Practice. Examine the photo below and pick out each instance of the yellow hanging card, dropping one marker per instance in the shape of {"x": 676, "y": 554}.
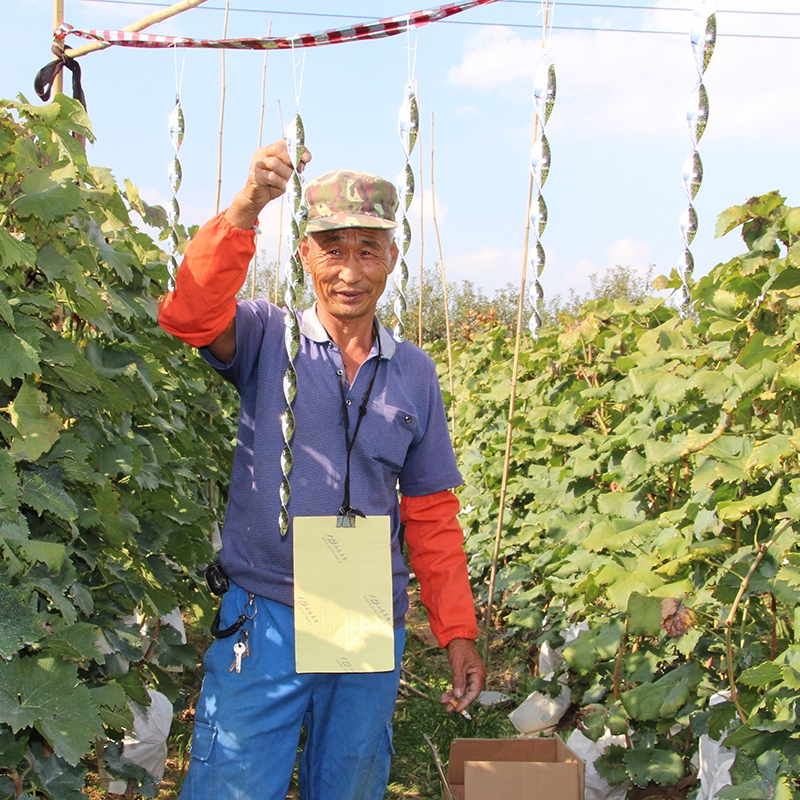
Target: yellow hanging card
{"x": 343, "y": 616}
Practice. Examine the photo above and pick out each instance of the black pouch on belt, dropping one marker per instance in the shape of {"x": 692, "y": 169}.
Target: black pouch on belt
{"x": 218, "y": 583}
{"x": 216, "y": 579}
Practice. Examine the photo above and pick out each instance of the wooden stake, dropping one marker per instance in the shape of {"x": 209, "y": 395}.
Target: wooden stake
{"x": 58, "y": 20}
{"x": 221, "y": 112}
{"x": 260, "y": 135}
{"x": 421, "y": 246}
{"x": 280, "y": 225}
{"x": 513, "y": 398}
{"x": 144, "y": 22}
{"x": 444, "y": 294}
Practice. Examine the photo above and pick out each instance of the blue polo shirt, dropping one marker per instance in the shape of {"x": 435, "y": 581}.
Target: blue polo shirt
{"x": 403, "y": 443}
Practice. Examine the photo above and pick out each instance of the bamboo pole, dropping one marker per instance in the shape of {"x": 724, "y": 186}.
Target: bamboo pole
{"x": 260, "y": 137}
{"x": 280, "y": 226}
{"x": 144, "y": 22}
{"x": 444, "y": 292}
{"x": 421, "y": 248}
{"x": 221, "y": 111}
{"x": 58, "y": 21}
{"x": 513, "y": 398}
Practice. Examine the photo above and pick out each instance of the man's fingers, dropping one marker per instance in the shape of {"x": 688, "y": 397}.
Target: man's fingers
{"x": 468, "y": 674}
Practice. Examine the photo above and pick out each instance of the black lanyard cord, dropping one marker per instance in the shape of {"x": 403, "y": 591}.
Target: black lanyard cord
{"x": 346, "y": 510}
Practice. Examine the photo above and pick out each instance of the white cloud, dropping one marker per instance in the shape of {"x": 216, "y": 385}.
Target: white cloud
{"x": 488, "y": 267}
{"x": 493, "y": 58}
{"x": 627, "y": 83}
{"x": 558, "y": 279}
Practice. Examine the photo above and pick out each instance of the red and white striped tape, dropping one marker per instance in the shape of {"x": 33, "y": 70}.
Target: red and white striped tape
{"x": 390, "y": 26}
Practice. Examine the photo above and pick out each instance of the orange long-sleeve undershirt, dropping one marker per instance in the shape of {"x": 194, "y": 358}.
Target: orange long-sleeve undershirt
{"x": 436, "y": 551}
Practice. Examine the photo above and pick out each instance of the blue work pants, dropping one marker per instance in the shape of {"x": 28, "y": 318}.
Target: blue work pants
{"x": 247, "y": 725}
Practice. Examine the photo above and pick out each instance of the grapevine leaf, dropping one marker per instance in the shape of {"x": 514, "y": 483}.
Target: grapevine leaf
{"x": 762, "y": 675}
{"x": 50, "y": 553}
{"x": 37, "y": 425}
{"x": 145, "y": 784}
{"x": 644, "y": 615}
{"x": 49, "y": 194}
{"x": 43, "y": 491}
{"x": 110, "y": 698}
{"x": 597, "y": 644}
{"x": 14, "y": 252}
{"x": 75, "y": 642}
{"x": 611, "y": 766}
{"x": 664, "y": 697}
{"x": 653, "y": 764}
{"x": 19, "y": 358}
{"x": 46, "y": 693}
{"x": 58, "y": 777}
{"x": 9, "y": 483}
{"x": 12, "y": 748}
{"x": 19, "y": 625}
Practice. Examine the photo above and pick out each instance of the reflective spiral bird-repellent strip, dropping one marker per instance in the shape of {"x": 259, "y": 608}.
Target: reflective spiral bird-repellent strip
{"x": 408, "y": 127}
{"x": 544, "y": 96}
{"x": 175, "y": 176}
{"x": 703, "y": 38}
{"x": 295, "y": 142}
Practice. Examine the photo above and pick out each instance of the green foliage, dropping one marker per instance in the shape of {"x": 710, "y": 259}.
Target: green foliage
{"x": 653, "y": 489}
{"x": 112, "y": 439}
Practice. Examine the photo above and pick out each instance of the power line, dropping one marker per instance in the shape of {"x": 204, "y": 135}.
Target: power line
{"x": 656, "y": 8}
{"x": 516, "y": 26}
{"x": 618, "y": 6}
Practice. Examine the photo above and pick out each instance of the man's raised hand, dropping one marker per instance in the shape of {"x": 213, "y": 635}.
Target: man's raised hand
{"x": 269, "y": 173}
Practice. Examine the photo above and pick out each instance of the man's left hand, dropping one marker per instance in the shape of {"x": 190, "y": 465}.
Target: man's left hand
{"x": 468, "y": 674}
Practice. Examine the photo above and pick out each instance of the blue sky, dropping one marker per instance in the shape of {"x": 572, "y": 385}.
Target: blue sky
{"x": 618, "y": 132}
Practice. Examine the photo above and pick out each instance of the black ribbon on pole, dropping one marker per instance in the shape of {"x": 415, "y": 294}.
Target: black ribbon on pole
{"x": 43, "y": 83}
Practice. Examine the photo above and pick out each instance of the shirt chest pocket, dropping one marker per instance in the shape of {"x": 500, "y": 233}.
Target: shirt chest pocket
{"x": 392, "y": 436}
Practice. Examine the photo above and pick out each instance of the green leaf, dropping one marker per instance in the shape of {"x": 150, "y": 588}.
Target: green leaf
{"x": 664, "y": 697}
{"x": 12, "y": 748}
{"x": 14, "y": 252}
{"x": 729, "y": 219}
{"x": 654, "y": 764}
{"x": 597, "y": 644}
{"x": 762, "y": 675}
{"x": 43, "y": 491}
{"x": 18, "y": 357}
{"x": 120, "y": 262}
{"x": 19, "y": 625}
{"x": 757, "y": 350}
{"x": 46, "y": 693}
{"x": 37, "y": 425}
{"x": 59, "y": 778}
{"x": 76, "y": 643}
{"x": 611, "y": 765}
{"x": 50, "y": 553}
{"x": 110, "y": 698}
{"x": 49, "y": 193}
{"x": 644, "y": 615}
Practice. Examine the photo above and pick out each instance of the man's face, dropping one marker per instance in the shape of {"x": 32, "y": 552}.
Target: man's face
{"x": 348, "y": 268}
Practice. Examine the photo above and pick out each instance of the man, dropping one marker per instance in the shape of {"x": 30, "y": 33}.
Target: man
{"x": 254, "y": 703}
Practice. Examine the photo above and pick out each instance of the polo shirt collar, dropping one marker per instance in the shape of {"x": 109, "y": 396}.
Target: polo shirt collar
{"x": 312, "y": 329}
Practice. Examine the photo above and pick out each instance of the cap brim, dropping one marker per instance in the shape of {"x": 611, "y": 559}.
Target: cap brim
{"x": 340, "y": 221}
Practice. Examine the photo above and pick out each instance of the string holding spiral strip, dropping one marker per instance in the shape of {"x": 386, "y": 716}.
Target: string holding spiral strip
{"x": 544, "y": 97}
{"x": 175, "y": 176}
{"x": 703, "y": 38}
{"x": 408, "y": 127}
{"x": 295, "y": 142}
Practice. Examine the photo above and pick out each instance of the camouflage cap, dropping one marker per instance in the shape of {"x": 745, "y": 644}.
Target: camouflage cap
{"x": 345, "y": 199}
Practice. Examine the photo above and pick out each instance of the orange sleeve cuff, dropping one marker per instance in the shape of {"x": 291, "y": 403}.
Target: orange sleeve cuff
{"x": 436, "y": 551}
{"x": 213, "y": 270}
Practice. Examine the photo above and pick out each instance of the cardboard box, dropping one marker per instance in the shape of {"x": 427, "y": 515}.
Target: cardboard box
{"x": 513, "y": 769}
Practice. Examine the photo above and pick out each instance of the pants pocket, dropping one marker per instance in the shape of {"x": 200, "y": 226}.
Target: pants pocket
{"x": 203, "y": 740}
